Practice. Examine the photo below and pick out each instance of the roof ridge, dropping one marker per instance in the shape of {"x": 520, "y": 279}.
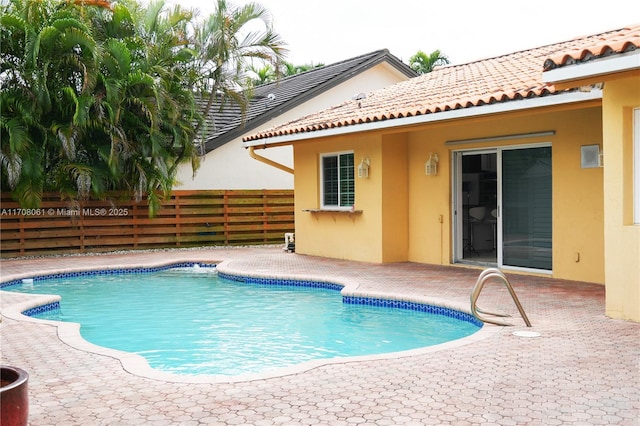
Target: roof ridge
{"x": 498, "y": 79}
{"x": 625, "y": 27}
{"x": 558, "y": 43}
{"x": 271, "y": 99}
{"x": 375, "y": 53}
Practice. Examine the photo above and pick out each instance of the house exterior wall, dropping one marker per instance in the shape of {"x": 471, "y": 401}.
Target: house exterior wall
{"x": 577, "y": 193}
{"x": 395, "y": 197}
{"x": 407, "y": 216}
{"x": 622, "y": 237}
{"x": 230, "y": 167}
{"x": 378, "y": 229}
{"x": 340, "y": 235}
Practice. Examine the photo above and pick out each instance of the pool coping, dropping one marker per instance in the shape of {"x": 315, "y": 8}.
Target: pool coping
{"x": 69, "y": 333}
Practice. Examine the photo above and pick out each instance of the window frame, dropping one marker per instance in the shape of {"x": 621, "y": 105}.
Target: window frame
{"x": 338, "y": 206}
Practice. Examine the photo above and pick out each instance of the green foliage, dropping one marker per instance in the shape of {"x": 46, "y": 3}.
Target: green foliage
{"x": 227, "y": 50}
{"x": 423, "y": 63}
{"x": 268, "y": 73}
{"x": 98, "y": 98}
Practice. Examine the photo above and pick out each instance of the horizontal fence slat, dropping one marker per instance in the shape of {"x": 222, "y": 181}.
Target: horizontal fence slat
{"x": 186, "y": 218}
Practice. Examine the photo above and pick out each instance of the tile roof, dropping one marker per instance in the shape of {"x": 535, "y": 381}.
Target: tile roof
{"x": 602, "y": 45}
{"x": 504, "y": 78}
{"x": 227, "y": 123}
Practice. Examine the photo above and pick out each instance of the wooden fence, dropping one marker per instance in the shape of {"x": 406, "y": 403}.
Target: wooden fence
{"x": 187, "y": 219}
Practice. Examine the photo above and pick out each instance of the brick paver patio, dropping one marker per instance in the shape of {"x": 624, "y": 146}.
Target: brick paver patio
{"x": 584, "y": 369}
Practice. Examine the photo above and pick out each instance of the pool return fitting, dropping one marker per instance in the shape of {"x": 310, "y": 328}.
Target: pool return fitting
{"x": 484, "y": 276}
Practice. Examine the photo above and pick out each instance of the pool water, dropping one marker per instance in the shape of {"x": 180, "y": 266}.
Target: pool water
{"x": 189, "y": 321}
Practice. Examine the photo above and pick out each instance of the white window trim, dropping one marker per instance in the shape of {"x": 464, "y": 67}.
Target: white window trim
{"x": 330, "y": 206}
{"x": 636, "y": 166}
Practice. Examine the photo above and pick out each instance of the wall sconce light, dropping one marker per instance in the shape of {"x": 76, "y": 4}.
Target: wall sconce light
{"x": 363, "y": 168}
{"x": 431, "y": 166}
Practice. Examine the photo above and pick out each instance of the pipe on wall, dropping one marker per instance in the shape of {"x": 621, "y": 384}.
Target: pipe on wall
{"x": 268, "y": 161}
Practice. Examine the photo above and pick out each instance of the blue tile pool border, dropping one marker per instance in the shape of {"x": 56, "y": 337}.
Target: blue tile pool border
{"x": 49, "y": 307}
{"x": 116, "y": 271}
{"x": 412, "y": 306}
{"x": 281, "y": 282}
{"x": 356, "y": 300}
{"x": 350, "y": 300}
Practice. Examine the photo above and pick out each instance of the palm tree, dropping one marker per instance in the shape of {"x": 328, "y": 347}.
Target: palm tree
{"x": 95, "y": 99}
{"x": 289, "y": 69}
{"x": 226, "y": 49}
{"x": 98, "y": 96}
{"x": 423, "y": 63}
{"x": 48, "y": 68}
{"x": 267, "y": 73}
{"x": 149, "y": 102}
{"x": 264, "y": 74}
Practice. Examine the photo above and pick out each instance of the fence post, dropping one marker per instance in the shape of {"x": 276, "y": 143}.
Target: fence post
{"x": 265, "y": 216}
{"x": 134, "y": 212}
{"x": 22, "y": 238}
{"x": 81, "y": 227}
{"x": 226, "y": 216}
{"x": 178, "y": 220}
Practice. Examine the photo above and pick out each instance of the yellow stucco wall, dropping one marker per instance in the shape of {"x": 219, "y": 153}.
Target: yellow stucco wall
{"x": 395, "y": 198}
{"x": 407, "y": 216}
{"x": 378, "y": 231}
{"x": 622, "y": 237}
{"x": 340, "y": 235}
{"x": 577, "y": 193}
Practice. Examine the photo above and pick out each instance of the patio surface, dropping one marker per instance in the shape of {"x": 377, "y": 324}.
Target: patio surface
{"x": 584, "y": 369}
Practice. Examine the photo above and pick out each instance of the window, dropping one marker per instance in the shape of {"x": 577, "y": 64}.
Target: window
{"x": 338, "y": 185}
{"x": 636, "y": 166}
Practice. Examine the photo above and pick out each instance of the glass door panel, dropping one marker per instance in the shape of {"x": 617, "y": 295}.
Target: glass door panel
{"x": 479, "y": 207}
{"x": 526, "y": 208}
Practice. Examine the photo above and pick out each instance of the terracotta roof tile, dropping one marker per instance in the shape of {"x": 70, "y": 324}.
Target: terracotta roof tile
{"x": 509, "y": 77}
{"x": 605, "y": 44}
{"x": 227, "y": 122}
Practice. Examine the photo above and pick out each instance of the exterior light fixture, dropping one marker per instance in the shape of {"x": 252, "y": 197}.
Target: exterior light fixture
{"x": 431, "y": 166}
{"x": 363, "y": 168}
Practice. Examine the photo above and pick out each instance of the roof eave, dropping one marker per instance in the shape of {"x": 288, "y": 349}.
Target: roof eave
{"x": 477, "y": 111}
{"x": 383, "y": 57}
{"x": 594, "y": 68}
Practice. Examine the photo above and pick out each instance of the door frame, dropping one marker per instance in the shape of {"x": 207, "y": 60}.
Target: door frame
{"x": 457, "y": 230}
{"x": 458, "y": 204}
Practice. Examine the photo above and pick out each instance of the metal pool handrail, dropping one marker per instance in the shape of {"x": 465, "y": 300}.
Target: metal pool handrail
{"x": 482, "y": 279}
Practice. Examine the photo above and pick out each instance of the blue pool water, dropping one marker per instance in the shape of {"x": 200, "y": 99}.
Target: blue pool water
{"x": 190, "y": 321}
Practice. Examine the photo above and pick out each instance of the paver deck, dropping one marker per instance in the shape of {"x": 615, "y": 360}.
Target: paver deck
{"x": 583, "y": 369}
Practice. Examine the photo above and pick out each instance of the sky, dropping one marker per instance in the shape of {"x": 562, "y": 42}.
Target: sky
{"x": 328, "y": 31}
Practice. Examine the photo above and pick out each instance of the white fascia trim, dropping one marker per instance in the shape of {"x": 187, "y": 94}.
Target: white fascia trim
{"x": 609, "y": 65}
{"x": 545, "y": 101}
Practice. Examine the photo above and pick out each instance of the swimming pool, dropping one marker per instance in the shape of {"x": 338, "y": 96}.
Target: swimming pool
{"x": 191, "y": 321}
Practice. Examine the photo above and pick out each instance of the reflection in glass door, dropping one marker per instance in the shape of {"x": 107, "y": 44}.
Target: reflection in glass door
{"x": 503, "y": 207}
{"x": 479, "y": 207}
{"x": 526, "y": 208}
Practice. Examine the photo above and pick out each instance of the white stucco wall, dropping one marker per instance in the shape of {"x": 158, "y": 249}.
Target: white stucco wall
{"x": 231, "y": 167}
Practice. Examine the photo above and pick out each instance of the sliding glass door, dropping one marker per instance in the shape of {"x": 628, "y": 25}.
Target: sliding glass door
{"x": 502, "y": 207}
{"x": 479, "y": 206}
{"x": 526, "y": 208}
